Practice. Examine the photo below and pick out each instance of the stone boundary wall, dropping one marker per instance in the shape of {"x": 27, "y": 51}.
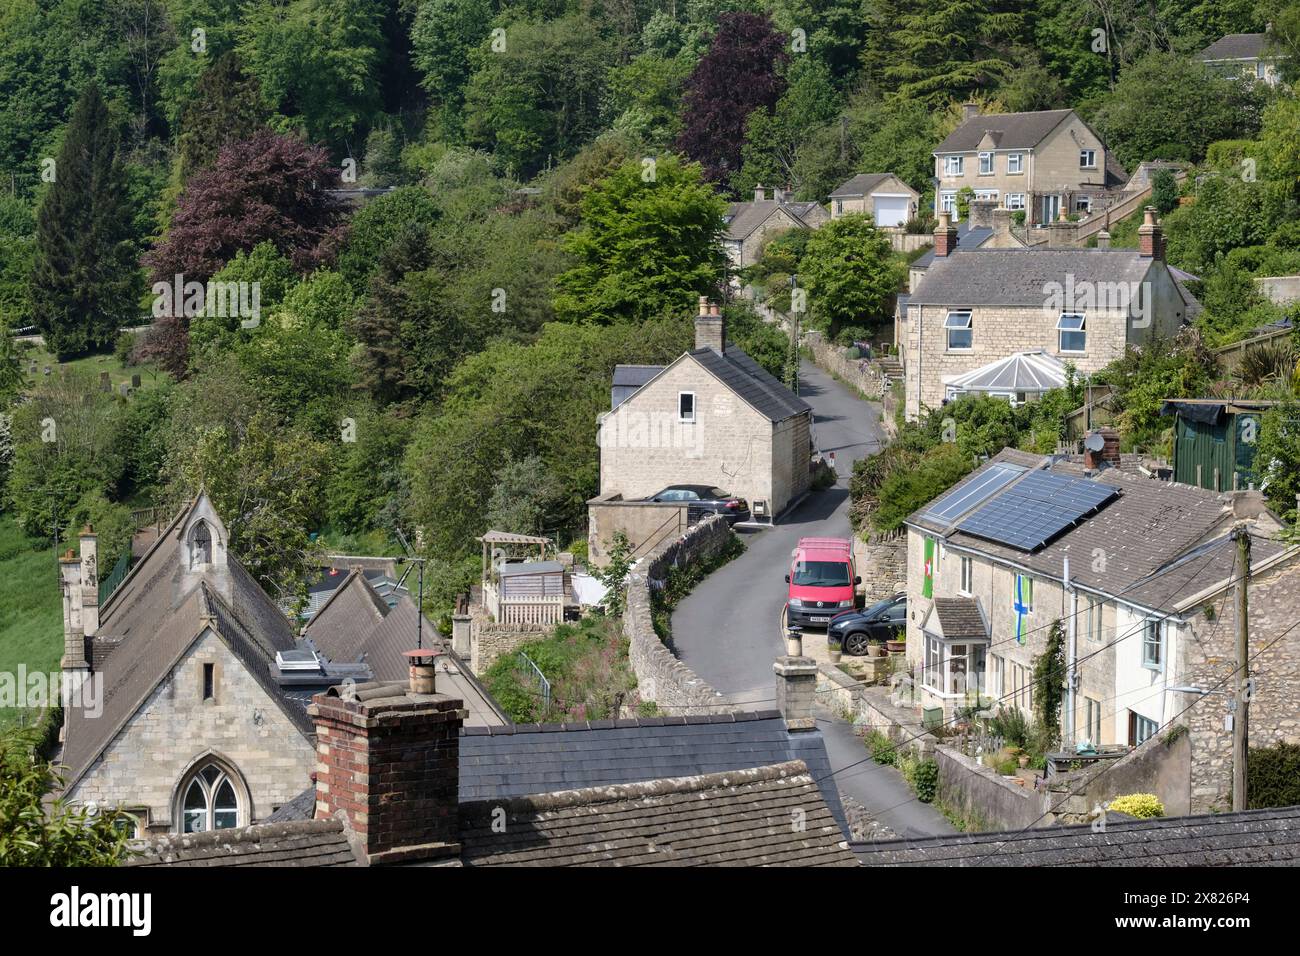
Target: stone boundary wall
{"x": 1280, "y": 290}
{"x": 864, "y": 376}
{"x": 882, "y": 563}
{"x": 491, "y": 640}
{"x": 661, "y": 677}
{"x": 979, "y": 793}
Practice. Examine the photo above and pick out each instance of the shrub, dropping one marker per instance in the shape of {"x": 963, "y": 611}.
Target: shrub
{"x": 1273, "y": 776}
{"x": 853, "y": 353}
{"x": 123, "y": 346}
{"x": 882, "y": 749}
{"x": 923, "y": 777}
{"x": 1144, "y": 806}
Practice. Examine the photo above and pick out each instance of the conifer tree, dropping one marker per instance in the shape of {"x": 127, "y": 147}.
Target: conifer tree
{"x": 83, "y": 281}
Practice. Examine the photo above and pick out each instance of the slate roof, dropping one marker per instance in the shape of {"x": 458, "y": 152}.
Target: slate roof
{"x": 1246, "y": 838}
{"x": 1017, "y": 277}
{"x": 1022, "y": 372}
{"x": 1014, "y": 130}
{"x": 298, "y": 843}
{"x": 860, "y": 185}
{"x": 752, "y": 383}
{"x": 960, "y": 618}
{"x": 744, "y": 217}
{"x": 634, "y": 376}
{"x": 1142, "y": 532}
{"x": 735, "y": 818}
{"x": 967, "y": 239}
{"x": 357, "y": 625}
{"x": 1235, "y": 46}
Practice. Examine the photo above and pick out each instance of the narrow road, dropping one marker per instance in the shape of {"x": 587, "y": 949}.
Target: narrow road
{"x": 728, "y": 629}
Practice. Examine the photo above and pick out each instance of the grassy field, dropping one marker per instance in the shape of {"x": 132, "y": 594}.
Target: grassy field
{"x": 117, "y": 372}
{"x": 31, "y": 611}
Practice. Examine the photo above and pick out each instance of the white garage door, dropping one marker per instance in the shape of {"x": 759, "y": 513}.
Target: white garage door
{"x": 891, "y": 210}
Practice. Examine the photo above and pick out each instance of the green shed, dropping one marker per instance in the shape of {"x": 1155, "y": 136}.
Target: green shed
{"x": 1214, "y": 441}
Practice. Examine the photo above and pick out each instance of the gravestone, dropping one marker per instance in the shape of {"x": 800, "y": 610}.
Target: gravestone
{"x": 135, "y": 381}
{"x": 105, "y": 383}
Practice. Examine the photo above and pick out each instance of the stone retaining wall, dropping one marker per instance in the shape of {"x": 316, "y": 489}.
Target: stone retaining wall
{"x": 661, "y": 677}
{"x": 882, "y": 564}
{"x": 864, "y": 376}
{"x": 980, "y": 795}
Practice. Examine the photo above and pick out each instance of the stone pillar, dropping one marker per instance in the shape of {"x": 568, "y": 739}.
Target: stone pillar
{"x": 796, "y": 691}
{"x": 89, "y": 582}
{"x": 460, "y": 635}
{"x": 74, "y": 637}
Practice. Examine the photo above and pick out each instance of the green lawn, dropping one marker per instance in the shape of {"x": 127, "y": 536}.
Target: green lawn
{"x": 31, "y": 607}
{"x": 94, "y": 364}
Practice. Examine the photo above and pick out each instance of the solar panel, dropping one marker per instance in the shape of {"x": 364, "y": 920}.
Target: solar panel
{"x": 1037, "y": 509}
{"x": 956, "y": 503}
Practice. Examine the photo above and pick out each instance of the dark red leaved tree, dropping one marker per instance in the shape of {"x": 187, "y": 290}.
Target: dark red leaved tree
{"x": 735, "y": 77}
{"x": 267, "y": 188}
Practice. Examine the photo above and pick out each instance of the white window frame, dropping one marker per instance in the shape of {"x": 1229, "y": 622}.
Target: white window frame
{"x": 986, "y": 194}
{"x": 1087, "y": 159}
{"x": 950, "y": 328}
{"x": 1083, "y": 204}
{"x": 1015, "y": 202}
{"x": 1015, "y": 163}
{"x": 948, "y": 203}
{"x": 1093, "y": 619}
{"x": 954, "y": 165}
{"x": 681, "y": 417}
{"x": 1153, "y": 644}
{"x": 967, "y": 575}
{"x": 839, "y": 207}
{"x": 989, "y": 158}
{"x": 1062, "y": 332}
{"x": 1092, "y": 720}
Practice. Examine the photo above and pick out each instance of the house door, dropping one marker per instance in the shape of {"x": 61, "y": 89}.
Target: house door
{"x": 1050, "y": 207}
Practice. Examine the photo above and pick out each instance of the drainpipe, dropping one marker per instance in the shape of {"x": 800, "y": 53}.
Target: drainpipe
{"x": 920, "y": 350}
{"x": 1071, "y": 666}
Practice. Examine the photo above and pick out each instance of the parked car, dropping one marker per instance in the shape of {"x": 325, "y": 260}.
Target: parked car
{"x": 880, "y": 622}
{"x": 705, "y": 500}
{"x": 822, "y": 581}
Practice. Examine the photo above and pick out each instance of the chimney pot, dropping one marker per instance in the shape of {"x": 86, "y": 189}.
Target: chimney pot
{"x": 945, "y": 237}
{"x": 1151, "y": 243}
{"x": 710, "y": 327}
{"x": 423, "y": 676}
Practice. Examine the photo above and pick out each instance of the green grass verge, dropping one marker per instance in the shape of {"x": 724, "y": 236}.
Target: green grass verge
{"x": 31, "y": 609}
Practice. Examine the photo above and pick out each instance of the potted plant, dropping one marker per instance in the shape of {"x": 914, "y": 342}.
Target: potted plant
{"x": 875, "y": 649}
{"x": 898, "y": 643}
{"x": 834, "y": 646}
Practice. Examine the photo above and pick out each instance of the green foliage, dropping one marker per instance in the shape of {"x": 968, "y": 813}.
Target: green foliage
{"x": 905, "y": 490}
{"x": 264, "y": 265}
{"x": 31, "y": 629}
{"x": 1011, "y": 724}
{"x": 443, "y": 38}
{"x": 922, "y": 776}
{"x": 376, "y": 226}
{"x": 34, "y": 834}
{"x": 1145, "y": 377}
{"x": 851, "y": 274}
{"x": 882, "y": 748}
{"x": 645, "y": 248}
{"x": 1273, "y": 776}
{"x": 1164, "y": 191}
{"x": 1277, "y": 457}
{"x": 227, "y": 105}
{"x": 614, "y": 574}
{"x": 1144, "y": 806}
{"x": 773, "y": 140}
{"x": 1049, "y": 683}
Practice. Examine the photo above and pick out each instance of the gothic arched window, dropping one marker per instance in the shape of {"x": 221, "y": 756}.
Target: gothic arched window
{"x": 210, "y": 801}
{"x": 201, "y": 545}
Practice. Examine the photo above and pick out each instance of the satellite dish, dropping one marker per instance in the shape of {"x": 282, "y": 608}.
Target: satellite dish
{"x": 1094, "y": 442}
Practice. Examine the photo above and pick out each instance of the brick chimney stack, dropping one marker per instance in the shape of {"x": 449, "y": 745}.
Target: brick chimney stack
{"x": 1151, "y": 243}
{"x": 710, "y": 327}
{"x": 945, "y": 237}
{"x": 389, "y": 759}
{"x": 796, "y": 691}
{"x": 1108, "y": 455}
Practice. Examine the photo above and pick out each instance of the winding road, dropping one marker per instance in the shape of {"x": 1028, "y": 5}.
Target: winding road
{"x": 728, "y": 629}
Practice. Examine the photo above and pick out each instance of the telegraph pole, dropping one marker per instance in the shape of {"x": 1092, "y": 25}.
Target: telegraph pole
{"x": 1241, "y": 719}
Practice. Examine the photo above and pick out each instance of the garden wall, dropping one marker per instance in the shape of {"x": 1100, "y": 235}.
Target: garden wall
{"x": 864, "y": 376}
{"x": 979, "y": 794}
{"x": 661, "y": 677}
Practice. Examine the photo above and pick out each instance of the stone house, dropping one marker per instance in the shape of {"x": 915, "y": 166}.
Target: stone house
{"x": 749, "y": 225}
{"x": 713, "y": 416}
{"x": 977, "y": 306}
{"x": 1135, "y": 571}
{"x": 884, "y": 197}
{"x": 190, "y": 722}
{"x": 1244, "y": 54}
{"x": 1045, "y": 164}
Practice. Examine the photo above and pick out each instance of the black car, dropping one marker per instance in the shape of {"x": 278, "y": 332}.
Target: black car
{"x": 704, "y": 500}
{"x": 881, "y": 621}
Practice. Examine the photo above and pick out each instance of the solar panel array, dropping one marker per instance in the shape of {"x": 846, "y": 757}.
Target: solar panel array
{"x": 956, "y": 503}
{"x": 1036, "y": 510}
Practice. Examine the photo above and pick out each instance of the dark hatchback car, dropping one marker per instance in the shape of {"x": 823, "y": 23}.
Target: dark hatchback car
{"x": 705, "y": 500}
{"x": 880, "y": 622}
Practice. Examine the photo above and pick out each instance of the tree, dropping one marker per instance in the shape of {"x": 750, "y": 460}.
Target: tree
{"x": 1164, "y": 191}
{"x": 849, "y": 271}
{"x": 227, "y": 107}
{"x": 377, "y": 224}
{"x": 268, "y": 188}
{"x": 1277, "y": 457}
{"x": 736, "y": 77}
{"x": 443, "y": 38}
{"x": 83, "y": 283}
{"x": 35, "y": 831}
{"x": 947, "y": 51}
{"x": 646, "y": 246}
{"x": 772, "y": 141}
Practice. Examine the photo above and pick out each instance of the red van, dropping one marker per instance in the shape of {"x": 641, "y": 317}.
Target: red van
{"x": 822, "y": 580}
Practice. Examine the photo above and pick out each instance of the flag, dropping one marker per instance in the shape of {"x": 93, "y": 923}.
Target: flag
{"x": 927, "y": 590}
{"x": 1020, "y": 603}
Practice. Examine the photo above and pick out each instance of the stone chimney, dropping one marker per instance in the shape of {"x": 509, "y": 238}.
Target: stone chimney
{"x": 969, "y": 111}
{"x": 759, "y": 195}
{"x": 981, "y": 213}
{"x": 389, "y": 761}
{"x": 1001, "y": 228}
{"x": 74, "y": 636}
{"x": 945, "y": 237}
{"x": 89, "y": 582}
{"x": 796, "y": 691}
{"x": 1248, "y": 504}
{"x": 1108, "y": 455}
{"x": 778, "y": 194}
{"x": 1151, "y": 243}
{"x": 710, "y": 327}
{"x": 1103, "y": 240}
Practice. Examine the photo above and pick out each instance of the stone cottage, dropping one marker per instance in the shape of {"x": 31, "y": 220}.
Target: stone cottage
{"x": 714, "y": 416}
{"x": 884, "y": 197}
{"x": 751, "y": 224}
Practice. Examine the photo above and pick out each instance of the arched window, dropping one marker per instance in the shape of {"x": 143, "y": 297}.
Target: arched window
{"x": 210, "y": 801}
{"x": 201, "y": 545}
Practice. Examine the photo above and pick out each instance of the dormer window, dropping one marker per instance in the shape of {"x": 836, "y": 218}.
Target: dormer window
{"x": 201, "y": 546}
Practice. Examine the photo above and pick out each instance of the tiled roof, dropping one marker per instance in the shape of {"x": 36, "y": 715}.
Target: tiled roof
{"x": 1019, "y": 277}
{"x": 634, "y": 376}
{"x": 1013, "y": 130}
{"x": 751, "y": 382}
{"x": 967, "y": 239}
{"x": 1247, "y": 838}
{"x": 1235, "y": 46}
{"x": 960, "y": 618}
{"x": 860, "y": 185}
{"x": 735, "y": 818}
{"x": 298, "y": 843}
{"x": 745, "y": 217}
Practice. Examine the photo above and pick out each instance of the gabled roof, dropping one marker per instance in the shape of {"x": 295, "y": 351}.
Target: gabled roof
{"x": 1015, "y": 130}
{"x": 736, "y": 818}
{"x": 634, "y": 376}
{"x": 1034, "y": 371}
{"x": 1235, "y": 46}
{"x": 956, "y": 619}
{"x": 1245, "y": 838}
{"x": 967, "y": 239}
{"x": 862, "y": 185}
{"x": 751, "y": 382}
{"x": 744, "y": 217}
{"x": 299, "y": 843}
{"x": 1018, "y": 277}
